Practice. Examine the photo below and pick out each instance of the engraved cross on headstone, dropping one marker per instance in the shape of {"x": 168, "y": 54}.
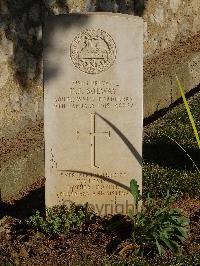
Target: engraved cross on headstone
{"x": 93, "y": 135}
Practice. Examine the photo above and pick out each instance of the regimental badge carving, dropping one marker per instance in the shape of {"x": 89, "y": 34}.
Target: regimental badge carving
{"x": 93, "y": 51}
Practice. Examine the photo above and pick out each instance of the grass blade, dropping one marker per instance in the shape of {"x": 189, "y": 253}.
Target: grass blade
{"x": 188, "y": 111}
{"x": 180, "y": 146}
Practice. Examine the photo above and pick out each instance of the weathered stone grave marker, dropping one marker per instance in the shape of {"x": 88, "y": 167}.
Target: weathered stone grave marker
{"x": 93, "y": 100}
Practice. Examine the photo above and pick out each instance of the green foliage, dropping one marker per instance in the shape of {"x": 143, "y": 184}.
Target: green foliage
{"x": 158, "y": 226}
{"x": 134, "y": 187}
{"x": 193, "y": 126}
{"x": 165, "y": 165}
{"x": 158, "y": 180}
{"x": 60, "y": 219}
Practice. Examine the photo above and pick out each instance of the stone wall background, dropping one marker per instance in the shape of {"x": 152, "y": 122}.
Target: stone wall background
{"x": 171, "y": 42}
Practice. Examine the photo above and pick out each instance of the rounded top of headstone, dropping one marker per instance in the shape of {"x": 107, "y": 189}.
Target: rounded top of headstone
{"x": 93, "y": 51}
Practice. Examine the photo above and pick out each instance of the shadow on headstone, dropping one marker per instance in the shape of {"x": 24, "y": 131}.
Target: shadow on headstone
{"x": 22, "y": 25}
{"x": 134, "y": 152}
{"x": 23, "y": 21}
{"x": 50, "y": 69}
{"x": 100, "y": 177}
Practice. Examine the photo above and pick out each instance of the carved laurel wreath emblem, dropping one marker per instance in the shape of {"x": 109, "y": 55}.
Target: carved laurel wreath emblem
{"x": 93, "y": 51}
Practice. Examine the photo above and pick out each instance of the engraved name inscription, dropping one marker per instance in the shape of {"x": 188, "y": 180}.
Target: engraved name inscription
{"x": 94, "y": 94}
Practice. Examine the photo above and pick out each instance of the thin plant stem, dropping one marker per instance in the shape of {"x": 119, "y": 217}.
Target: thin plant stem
{"x": 180, "y": 146}
{"x": 188, "y": 111}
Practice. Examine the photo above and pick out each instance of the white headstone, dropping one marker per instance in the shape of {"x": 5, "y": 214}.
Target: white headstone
{"x": 93, "y": 101}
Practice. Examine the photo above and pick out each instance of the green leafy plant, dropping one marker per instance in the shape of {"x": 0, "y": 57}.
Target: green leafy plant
{"x": 157, "y": 226}
{"x": 134, "y": 187}
{"x": 60, "y": 219}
